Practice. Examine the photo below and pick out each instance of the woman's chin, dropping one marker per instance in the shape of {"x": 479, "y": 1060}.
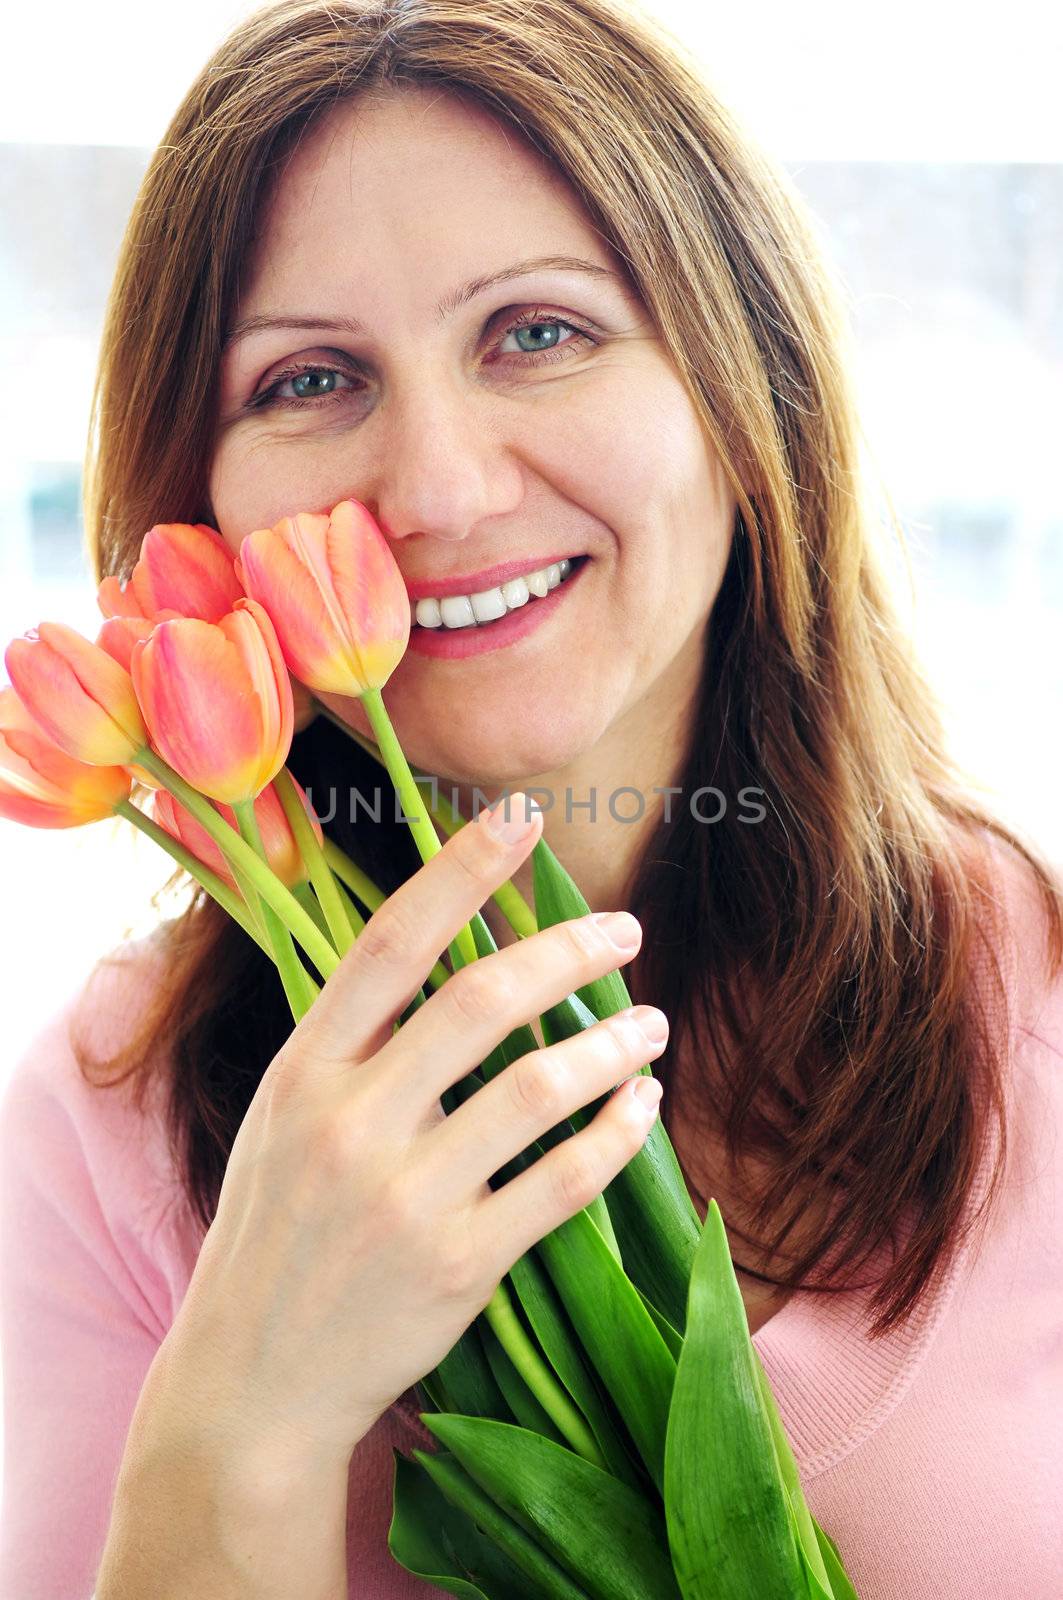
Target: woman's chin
{"x": 479, "y": 744}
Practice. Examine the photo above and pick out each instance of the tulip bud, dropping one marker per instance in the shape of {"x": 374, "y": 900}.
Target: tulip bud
{"x": 78, "y": 695}
{"x": 43, "y": 787}
{"x": 217, "y": 699}
{"x": 335, "y": 594}
{"x": 282, "y": 852}
{"x": 184, "y": 570}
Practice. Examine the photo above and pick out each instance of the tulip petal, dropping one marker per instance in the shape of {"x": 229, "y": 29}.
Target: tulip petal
{"x": 249, "y": 627}
{"x": 187, "y": 568}
{"x": 203, "y": 716}
{"x": 335, "y": 594}
{"x": 311, "y": 634}
{"x": 116, "y": 599}
{"x": 43, "y": 787}
{"x": 181, "y": 825}
{"x": 118, "y": 635}
{"x": 78, "y": 695}
{"x": 370, "y": 591}
{"x": 103, "y": 679}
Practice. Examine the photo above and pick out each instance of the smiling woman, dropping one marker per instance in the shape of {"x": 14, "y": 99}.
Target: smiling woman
{"x": 510, "y": 276}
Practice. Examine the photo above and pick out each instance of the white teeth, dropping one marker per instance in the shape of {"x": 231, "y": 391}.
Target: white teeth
{"x": 427, "y": 613}
{"x": 465, "y": 611}
{"x": 488, "y": 604}
{"x": 456, "y": 611}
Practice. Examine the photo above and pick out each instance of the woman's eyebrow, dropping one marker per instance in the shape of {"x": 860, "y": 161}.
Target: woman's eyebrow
{"x": 264, "y": 322}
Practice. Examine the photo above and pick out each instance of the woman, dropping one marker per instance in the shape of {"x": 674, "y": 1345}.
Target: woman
{"x": 513, "y": 278}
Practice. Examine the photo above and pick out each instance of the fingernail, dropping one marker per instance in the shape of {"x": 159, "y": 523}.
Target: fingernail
{"x": 647, "y": 1091}
{"x": 619, "y": 927}
{"x": 512, "y": 818}
{"x": 652, "y": 1024}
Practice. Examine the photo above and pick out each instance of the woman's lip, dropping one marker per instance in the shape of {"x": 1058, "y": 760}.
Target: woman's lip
{"x": 477, "y": 582}
{"x": 454, "y": 644}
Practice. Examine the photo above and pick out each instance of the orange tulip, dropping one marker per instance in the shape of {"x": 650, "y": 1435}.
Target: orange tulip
{"x": 80, "y": 696}
{"x": 217, "y": 700}
{"x": 282, "y": 852}
{"x": 118, "y": 635}
{"x": 185, "y": 570}
{"x": 41, "y": 785}
{"x": 335, "y": 594}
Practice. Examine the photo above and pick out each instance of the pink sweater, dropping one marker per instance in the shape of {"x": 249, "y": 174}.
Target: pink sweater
{"x": 932, "y": 1456}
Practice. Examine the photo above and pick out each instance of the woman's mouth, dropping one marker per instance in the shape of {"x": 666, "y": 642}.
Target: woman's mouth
{"x": 463, "y": 625}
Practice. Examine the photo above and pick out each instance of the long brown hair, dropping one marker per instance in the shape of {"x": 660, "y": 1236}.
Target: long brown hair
{"x": 858, "y": 902}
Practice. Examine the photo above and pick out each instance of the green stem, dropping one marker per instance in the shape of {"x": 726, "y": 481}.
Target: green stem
{"x": 371, "y": 897}
{"x": 354, "y": 916}
{"x": 350, "y": 873}
{"x": 253, "y": 902}
{"x": 284, "y": 954}
{"x": 314, "y": 860}
{"x": 216, "y": 887}
{"x": 539, "y": 1376}
{"x": 425, "y": 837}
{"x": 507, "y": 897}
{"x": 509, "y": 900}
{"x": 240, "y": 855}
{"x": 308, "y": 900}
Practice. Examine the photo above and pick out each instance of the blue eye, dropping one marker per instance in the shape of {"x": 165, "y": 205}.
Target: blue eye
{"x": 312, "y": 385}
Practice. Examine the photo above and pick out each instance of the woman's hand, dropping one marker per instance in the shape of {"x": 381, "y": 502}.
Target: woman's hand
{"x": 356, "y": 1235}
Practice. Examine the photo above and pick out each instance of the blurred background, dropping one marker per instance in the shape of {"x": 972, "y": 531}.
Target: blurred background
{"x": 930, "y": 154}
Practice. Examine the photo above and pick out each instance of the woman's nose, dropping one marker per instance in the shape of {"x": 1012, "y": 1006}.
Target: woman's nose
{"x": 443, "y": 467}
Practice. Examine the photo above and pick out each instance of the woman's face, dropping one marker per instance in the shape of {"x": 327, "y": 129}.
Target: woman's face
{"x": 393, "y": 346}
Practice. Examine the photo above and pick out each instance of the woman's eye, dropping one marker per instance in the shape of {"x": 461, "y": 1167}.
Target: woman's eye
{"x": 538, "y": 339}
{"x": 539, "y": 336}
{"x": 304, "y": 388}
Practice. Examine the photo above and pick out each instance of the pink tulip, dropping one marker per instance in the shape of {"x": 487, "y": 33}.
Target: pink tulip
{"x": 77, "y": 694}
{"x": 118, "y": 635}
{"x": 217, "y": 700}
{"x": 335, "y": 594}
{"x": 282, "y": 852}
{"x": 185, "y": 570}
{"x": 41, "y": 785}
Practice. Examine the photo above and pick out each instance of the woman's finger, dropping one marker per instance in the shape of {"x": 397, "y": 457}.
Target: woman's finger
{"x": 510, "y": 1220}
{"x": 475, "y": 1009}
{"x": 537, "y": 1092}
{"x": 392, "y": 957}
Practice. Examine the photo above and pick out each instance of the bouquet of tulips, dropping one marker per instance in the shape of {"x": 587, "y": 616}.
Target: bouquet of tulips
{"x": 605, "y": 1428}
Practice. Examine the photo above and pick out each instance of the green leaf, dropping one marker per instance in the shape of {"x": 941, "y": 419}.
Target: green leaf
{"x": 561, "y": 1347}
{"x": 468, "y": 1384}
{"x": 803, "y": 1526}
{"x": 416, "y": 1537}
{"x": 840, "y": 1581}
{"x": 728, "y": 1513}
{"x": 557, "y": 899}
{"x": 541, "y": 1575}
{"x": 617, "y": 1332}
{"x": 671, "y": 1337}
{"x": 608, "y": 1536}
